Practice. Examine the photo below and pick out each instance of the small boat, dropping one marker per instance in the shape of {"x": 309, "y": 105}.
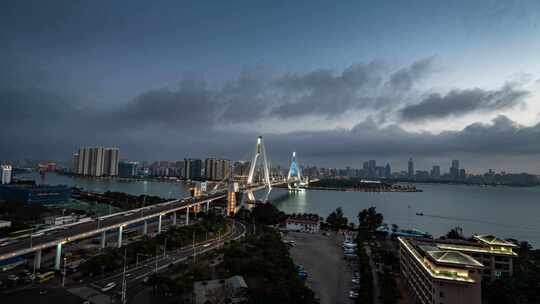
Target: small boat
{"x": 419, "y": 213}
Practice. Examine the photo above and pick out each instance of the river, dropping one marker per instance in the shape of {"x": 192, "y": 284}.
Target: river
{"x": 507, "y": 212}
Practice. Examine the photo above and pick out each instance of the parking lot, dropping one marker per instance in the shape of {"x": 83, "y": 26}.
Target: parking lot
{"x": 329, "y": 274}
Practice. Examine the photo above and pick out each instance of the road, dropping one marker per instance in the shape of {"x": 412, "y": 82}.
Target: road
{"x": 95, "y": 227}
{"x": 136, "y": 274}
{"x": 376, "y": 287}
{"x": 322, "y": 257}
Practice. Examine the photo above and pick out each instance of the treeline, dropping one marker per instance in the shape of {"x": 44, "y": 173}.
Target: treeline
{"x": 120, "y": 200}
{"x": 351, "y": 183}
{"x": 264, "y": 262}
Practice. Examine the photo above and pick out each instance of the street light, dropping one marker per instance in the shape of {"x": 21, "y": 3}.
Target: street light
{"x": 31, "y": 233}
{"x": 165, "y": 247}
{"x": 64, "y": 273}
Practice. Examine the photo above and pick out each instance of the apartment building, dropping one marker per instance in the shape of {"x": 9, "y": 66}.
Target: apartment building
{"x": 451, "y": 271}
{"x": 437, "y": 276}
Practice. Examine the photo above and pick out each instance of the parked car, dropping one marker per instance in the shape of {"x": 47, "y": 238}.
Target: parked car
{"x": 108, "y": 287}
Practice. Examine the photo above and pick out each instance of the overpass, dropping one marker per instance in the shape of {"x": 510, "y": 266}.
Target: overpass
{"x": 64, "y": 234}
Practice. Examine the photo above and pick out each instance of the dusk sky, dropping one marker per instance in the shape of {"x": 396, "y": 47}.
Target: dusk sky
{"x": 338, "y": 82}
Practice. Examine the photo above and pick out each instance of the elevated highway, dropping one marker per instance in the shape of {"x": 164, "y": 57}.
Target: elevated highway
{"x": 78, "y": 231}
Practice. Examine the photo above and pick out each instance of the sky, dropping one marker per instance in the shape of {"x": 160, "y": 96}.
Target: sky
{"x": 337, "y": 82}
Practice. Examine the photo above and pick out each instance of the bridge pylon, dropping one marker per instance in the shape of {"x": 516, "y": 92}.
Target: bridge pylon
{"x": 259, "y": 158}
{"x": 294, "y": 177}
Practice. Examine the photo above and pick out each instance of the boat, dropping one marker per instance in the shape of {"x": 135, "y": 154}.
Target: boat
{"x": 419, "y": 213}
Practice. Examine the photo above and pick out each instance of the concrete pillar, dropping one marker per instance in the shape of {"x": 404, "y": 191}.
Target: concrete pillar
{"x": 37, "y": 260}
{"x": 207, "y": 207}
{"x": 174, "y": 218}
{"x": 187, "y": 216}
{"x": 58, "y": 257}
{"x": 103, "y": 239}
{"x": 120, "y": 233}
{"x": 159, "y": 223}
{"x": 145, "y": 227}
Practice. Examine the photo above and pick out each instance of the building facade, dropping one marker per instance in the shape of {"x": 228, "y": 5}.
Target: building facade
{"x": 6, "y": 171}
{"x": 96, "y": 161}
{"x": 437, "y": 276}
{"x": 192, "y": 168}
{"x": 451, "y": 271}
{"x": 216, "y": 169}
{"x": 35, "y": 194}
{"x": 127, "y": 169}
{"x": 303, "y": 223}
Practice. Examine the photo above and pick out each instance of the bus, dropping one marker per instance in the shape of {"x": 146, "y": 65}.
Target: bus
{"x": 44, "y": 277}
{"x": 11, "y": 263}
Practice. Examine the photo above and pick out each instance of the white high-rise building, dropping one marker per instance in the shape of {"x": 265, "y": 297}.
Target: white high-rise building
{"x": 97, "y": 161}
{"x": 6, "y": 174}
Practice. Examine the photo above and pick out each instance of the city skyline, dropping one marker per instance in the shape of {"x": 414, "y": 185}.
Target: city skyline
{"x": 444, "y": 96}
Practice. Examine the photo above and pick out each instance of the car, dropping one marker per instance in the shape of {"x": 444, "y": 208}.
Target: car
{"x": 109, "y": 286}
{"x": 206, "y": 245}
{"x": 353, "y": 294}
{"x": 13, "y": 278}
{"x": 355, "y": 281}
{"x": 43, "y": 292}
{"x": 145, "y": 280}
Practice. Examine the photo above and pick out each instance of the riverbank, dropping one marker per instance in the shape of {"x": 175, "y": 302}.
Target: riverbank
{"x": 364, "y": 189}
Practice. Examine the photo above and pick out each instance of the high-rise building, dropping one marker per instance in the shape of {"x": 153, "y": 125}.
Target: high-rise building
{"x": 241, "y": 169}
{"x": 454, "y": 169}
{"x": 192, "y": 168}
{"x": 6, "y": 174}
{"x": 387, "y": 171}
{"x": 97, "y": 161}
{"x": 435, "y": 172}
{"x": 216, "y": 169}
{"x": 372, "y": 167}
{"x": 75, "y": 162}
{"x": 111, "y": 161}
{"x": 411, "y": 168}
{"x": 127, "y": 169}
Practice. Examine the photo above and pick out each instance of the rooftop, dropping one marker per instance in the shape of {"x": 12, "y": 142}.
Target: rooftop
{"x": 493, "y": 240}
{"x": 441, "y": 264}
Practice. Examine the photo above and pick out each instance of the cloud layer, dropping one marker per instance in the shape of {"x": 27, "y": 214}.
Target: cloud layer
{"x": 460, "y": 102}
{"x": 190, "y": 120}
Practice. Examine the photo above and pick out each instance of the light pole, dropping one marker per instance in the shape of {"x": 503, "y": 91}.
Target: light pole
{"x": 194, "y": 253}
{"x": 124, "y": 285}
{"x": 64, "y": 273}
{"x": 165, "y": 247}
{"x": 156, "y": 258}
{"x": 31, "y": 234}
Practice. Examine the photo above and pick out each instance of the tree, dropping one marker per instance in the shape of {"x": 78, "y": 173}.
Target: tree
{"x": 395, "y": 228}
{"x": 336, "y": 219}
{"x": 267, "y": 214}
{"x": 369, "y": 219}
{"x": 456, "y": 233}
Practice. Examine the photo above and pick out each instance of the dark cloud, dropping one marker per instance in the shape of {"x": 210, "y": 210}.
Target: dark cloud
{"x": 362, "y": 86}
{"x": 173, "y": 123}
{"x": 405, "y": 78}
{"x": 190, "y": 106}
{"x": 501, "y": 136}
{"x": 460, "y": 102}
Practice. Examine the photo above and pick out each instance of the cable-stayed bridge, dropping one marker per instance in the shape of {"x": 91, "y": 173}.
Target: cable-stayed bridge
{"x": 235, "y": 192}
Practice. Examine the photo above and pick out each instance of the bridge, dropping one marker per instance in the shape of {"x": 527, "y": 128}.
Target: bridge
{"x": 100, "y": 226}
